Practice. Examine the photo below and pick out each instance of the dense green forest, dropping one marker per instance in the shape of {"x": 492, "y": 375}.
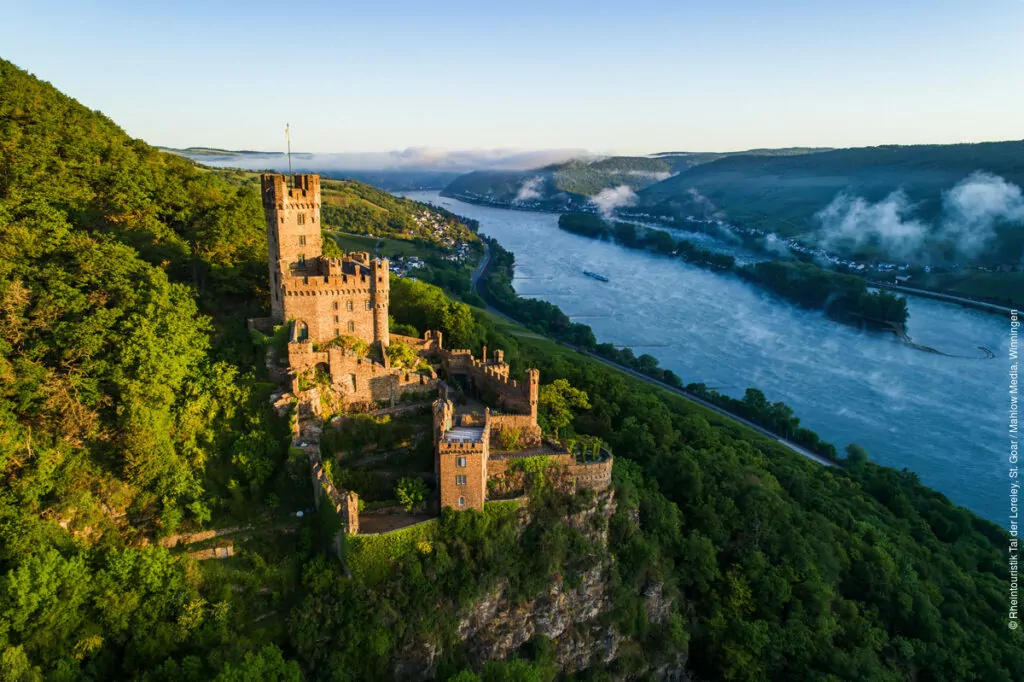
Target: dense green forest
{"x": 843, "y": 297}
{"x": 133, "y": 405}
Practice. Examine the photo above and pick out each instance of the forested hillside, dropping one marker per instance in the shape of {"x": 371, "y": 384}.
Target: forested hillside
{"x": 355, "y": 208}
{"x": 783, "y": 194}
{"x": 570, "y": 184}
{"x": 133, "y": 404}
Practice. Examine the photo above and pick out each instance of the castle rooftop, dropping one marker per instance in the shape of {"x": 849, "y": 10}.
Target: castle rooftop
{"x": 464, "y": 434}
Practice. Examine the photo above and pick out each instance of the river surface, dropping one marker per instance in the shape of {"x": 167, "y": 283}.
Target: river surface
{"x": 944, "y": 418}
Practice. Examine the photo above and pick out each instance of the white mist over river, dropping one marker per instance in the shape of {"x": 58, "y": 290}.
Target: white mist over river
{"x": 944, "y": 418}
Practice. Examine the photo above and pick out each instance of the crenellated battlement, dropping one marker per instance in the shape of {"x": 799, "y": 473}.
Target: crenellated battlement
{"x": 304, "y": 193}
{"x": 460, "y": 445}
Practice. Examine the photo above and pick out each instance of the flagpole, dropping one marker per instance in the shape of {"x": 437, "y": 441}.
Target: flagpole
{"x": 288, "y": 139}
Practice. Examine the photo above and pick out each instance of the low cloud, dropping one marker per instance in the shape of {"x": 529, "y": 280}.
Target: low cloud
{"x": 774, "y": 244}
{"x": 707, "y": 206}
{"x": 608, "y": 200}
{"x": 529, "y": 190}
{"x": 656, "y": 176}
{"x": 410, "y": 159}
{"x": 970, "y": 213}
{"x": 854, "y": 222}
{"x": 973, "y": 208}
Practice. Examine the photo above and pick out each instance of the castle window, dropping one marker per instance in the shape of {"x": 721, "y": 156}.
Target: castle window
{"x": 460, "y": 461}
{"x": 349, "y": 306}
{"x": 335, "y": 319}
{"x": 301, "y": 219}
{"x": 462, "y": 501}
{"x": 337, "y": 333}
{"x": 302, "y": 259}
{"x": 282, "y": 219}
{"x": 460, "y": 480}
{"x": 369, "y": 306}
{"x": 335, "y": 305}
{"x": 302, "y": 240}
{"x": 351, "y": 326}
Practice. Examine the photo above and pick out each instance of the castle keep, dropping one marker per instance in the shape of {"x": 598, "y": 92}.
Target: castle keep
{"x": 327, "y": 297}
{"x": 336, "y": 310}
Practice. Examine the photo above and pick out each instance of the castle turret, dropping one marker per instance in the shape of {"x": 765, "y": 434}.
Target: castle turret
{"x": 380, "y": 288}
{"x": 293, "y": 229}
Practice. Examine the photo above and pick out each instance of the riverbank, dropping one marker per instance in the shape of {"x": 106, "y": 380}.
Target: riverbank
{"x": 844, "y": 298}
{"x": 935, "y": 415}
{"x": 481, "y": 270}
{"x": 754, "y": 242}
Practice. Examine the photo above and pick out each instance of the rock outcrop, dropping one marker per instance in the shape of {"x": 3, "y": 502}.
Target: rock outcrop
{"x": 572, "y": 617}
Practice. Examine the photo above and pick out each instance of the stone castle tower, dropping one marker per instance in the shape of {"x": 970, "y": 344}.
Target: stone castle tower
{"x": 326, "y": 297}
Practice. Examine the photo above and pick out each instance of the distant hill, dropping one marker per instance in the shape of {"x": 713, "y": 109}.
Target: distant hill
{"x": 569, "y": 185}
{"x": 783, "y": 193}
{"x": 192, "y": 152}
{"x": 394, "y": 180}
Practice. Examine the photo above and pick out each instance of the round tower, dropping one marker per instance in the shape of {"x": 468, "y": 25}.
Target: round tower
{"x": 380, "y": 288}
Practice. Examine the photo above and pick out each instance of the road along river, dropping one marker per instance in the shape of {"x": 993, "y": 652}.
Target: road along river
{"x": 942, "y": 417}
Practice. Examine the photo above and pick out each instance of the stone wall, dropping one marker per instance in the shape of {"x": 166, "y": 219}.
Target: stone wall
{"x": 356, "y": 378}
{"x": 592, "y": 475}
{"x": 498, "y": 465}
{"x": 491, "y": 378}
{"x": 530, "y": 435}
{"x": 332, "y": 297}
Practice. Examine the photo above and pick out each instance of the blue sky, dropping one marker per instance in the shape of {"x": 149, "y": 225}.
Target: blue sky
{"x": 622, "y": 77}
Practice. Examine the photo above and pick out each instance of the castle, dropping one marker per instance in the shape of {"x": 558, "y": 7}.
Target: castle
{"x": 337, "y": 312}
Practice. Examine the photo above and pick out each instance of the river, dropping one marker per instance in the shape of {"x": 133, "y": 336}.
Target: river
{"x": 944, "y": 418}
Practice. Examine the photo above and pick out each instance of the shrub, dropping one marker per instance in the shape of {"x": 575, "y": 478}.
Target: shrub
{"x": 411, "y": 493}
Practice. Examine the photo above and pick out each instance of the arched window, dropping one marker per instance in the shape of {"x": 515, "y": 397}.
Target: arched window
{"x": 349, "y": 306}
{"x": 351, "y": 326}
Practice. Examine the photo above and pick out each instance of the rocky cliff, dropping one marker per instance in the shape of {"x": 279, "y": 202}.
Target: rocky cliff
{"x": 575, "y": 618}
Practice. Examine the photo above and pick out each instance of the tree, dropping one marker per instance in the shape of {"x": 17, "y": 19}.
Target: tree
{"x": 411, "y": 493}
{"x": 402, "y": 355}
{"x": 266, "y": 664}
{"x": 855, "y": 454}
{"x": 558, "y": 400}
